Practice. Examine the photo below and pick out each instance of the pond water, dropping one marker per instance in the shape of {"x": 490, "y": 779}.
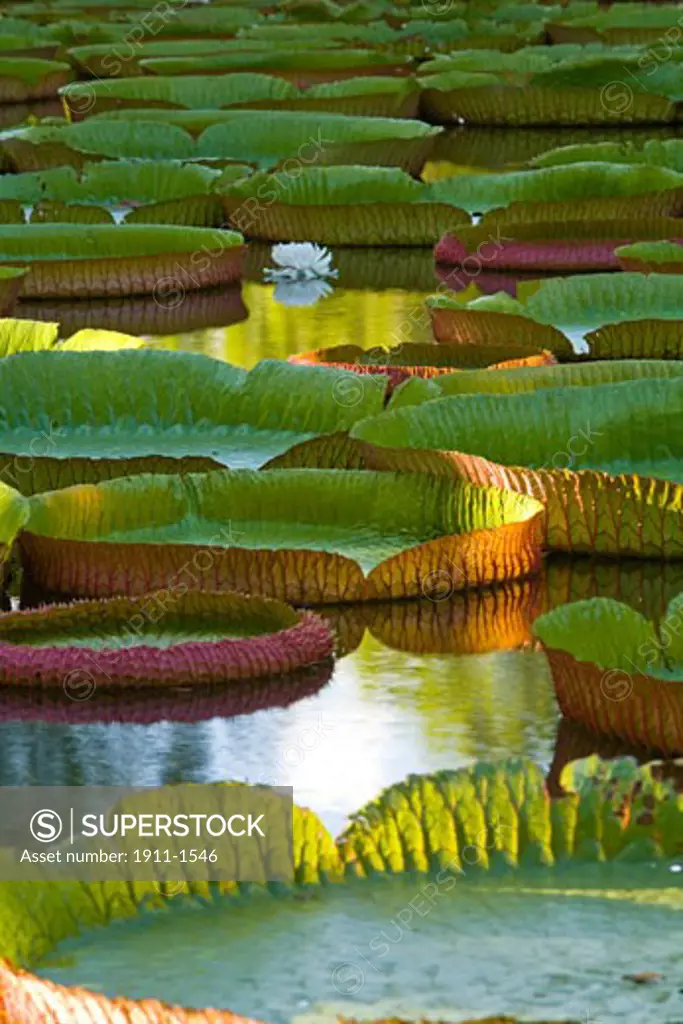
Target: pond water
{"x": 422, "y": 686}
{"x": 444, "y": 950}
{"x": 417, "y": 688}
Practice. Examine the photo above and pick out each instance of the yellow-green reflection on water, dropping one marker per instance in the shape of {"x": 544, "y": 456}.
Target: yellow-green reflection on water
{"x": 273, "y": 330}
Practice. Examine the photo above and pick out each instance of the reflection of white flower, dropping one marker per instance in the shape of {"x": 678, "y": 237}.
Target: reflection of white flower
{"x": 301, "y": 293}
{"x": 299, "y": 261}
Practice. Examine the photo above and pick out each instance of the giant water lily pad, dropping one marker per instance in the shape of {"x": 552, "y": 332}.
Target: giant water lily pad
{"x": 110, "y": 414}
{"x": 109, "y": 259}
{"x": 655, "y": 257}
{"x": 603, "y": 851}
{"x": 418, "y": 360}
{"x": 240, "y": 137}
{"x": 312, "y": 138}
{"x": 123, "y": 191}
{"x": 14, "y": 512}
{"x": 515, "y": 379}
{"x": 339, "y": 206}
{"x": 41, "y": 147}
{"x": 378, "y": 96}
{"x": 160, "y": 639}
{"x": 549, "y": 185}
{"x": 28, "y": 78}
{"x": 601, "y": 458}
{"x": 617, "y": 672}
{"x": 566, "y": 242}
{"x": 576, "y": 93}
{"x": 625, "y": 315}
{"x": 311, "y": 536}
{"x": 302, "y": 67}
{"x": 663, "y": 153}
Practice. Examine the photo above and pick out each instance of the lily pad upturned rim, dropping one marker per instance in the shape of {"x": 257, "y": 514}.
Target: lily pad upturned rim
{"x": 41, "y": 242}
{"x": 629, "y": 505}
{"x": 130, "y": 535}
{"x": 284, "y": 641}
{"x": 609, "y": 666}
{"x": 474, "y": 820}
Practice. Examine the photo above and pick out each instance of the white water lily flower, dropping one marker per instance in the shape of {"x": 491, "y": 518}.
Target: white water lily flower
{"x": 299, "y": 261}
{"x": 301, "y": 293}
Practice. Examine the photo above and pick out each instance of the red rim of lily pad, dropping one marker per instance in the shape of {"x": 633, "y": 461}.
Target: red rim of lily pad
{"x": 283, "y": 640}
{"x": 552, "y": 252}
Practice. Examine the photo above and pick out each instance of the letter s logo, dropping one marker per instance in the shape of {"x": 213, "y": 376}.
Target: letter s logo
{"x": 46, "y": 826}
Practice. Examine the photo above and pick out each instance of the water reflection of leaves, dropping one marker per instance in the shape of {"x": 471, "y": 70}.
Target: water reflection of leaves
{"x": 470, "y": 622}
{"x": 149, "y": 705}
{"x": 500, "y": 618}
{"x": 141, "y": 314}
{"x": 575, "y": 742}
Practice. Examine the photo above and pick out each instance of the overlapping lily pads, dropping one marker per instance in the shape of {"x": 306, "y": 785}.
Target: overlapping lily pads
{"x": 239, "y": 136}
{"x": 419, "y": 360}
{"x": 182, "y": 639}
{"x": 340, "y": 206}
{"x": 302, "y": 67}
{"x": 617, "y": 672}
{"x": 576, "y": 91}
{"x": 628, "y": 315}
{"x": 620, "y": 25}
{"x": 601, "y": 458}
{"x": 71, "y": 417}
{"x": 307, "y": 536}
{"x": 128, "y": 192}
{"x": 109, "y": 259}
{"x": 523, "y": 377}
{"x": 101, "y": 60}
{"x": 377, "y": 96}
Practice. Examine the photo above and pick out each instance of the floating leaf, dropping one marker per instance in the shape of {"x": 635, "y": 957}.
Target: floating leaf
{"x": 616, "y": 672}
{"x": 107, "y": 259}
{"x": 311, "y": 536}
{"x": 72, "y": 417}
{"x": 601, "y": 458}
{"x": 157, "y": 640}
{"x": 339, "y": 205}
